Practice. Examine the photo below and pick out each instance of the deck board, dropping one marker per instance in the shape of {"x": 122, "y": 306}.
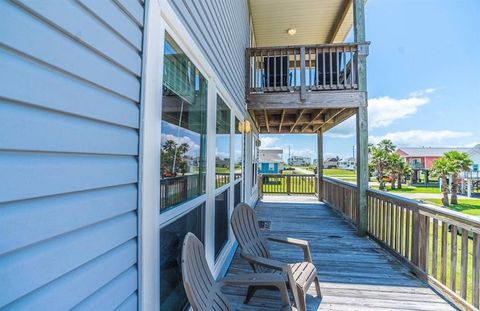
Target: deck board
{"x": 355, "y": 273}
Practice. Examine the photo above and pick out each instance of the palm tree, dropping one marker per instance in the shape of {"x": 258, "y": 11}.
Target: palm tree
{"x": 461, "y": 163}
{"x": 443, "y": 167}
{"x": 380, "y": 158}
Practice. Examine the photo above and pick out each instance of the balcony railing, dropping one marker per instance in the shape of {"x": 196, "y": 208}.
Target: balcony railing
{"x": 302, "y": 68}
{"x": 439, "y": 245}
{"x": 287, "y": 184}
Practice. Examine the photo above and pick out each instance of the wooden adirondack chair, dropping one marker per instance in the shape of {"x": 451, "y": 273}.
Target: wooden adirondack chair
{"x": 204, "y": 293}
{"x": 254, "y": 248}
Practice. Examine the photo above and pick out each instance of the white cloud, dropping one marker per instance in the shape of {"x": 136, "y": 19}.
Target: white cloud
{"x": 422, "y": 138}
{"x": 384, "y": 111}
{"x": 268, "y": 141}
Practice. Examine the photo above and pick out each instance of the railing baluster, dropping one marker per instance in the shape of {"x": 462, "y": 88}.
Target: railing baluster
{"x": 408, "y": 229}
{"x": 476, "y": 270}
{"x": 338, "y": 68}
{"x": 453, "y": 258}
{"x": 323, "y": 69}
{"x": 443, "y": 277}
{"x": 464, "y": 264}
{"x": 435, "y": 248}
{"x": 402, "y": 221}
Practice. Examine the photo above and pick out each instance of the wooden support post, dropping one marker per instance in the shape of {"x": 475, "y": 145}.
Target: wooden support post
{"x": 320, "y": 164}
{"x": 362, "y": 121}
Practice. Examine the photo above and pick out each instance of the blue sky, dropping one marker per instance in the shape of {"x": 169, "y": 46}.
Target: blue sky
{"x": 423, "y": 78}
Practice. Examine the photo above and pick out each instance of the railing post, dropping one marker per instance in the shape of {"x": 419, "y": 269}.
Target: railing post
{"x": 260, "y": 186}
{"x": 320, "y": 164}
{"x": 362, "y": 120}
{"x": 288, "y": 183}
{"x": 303, "y": 88}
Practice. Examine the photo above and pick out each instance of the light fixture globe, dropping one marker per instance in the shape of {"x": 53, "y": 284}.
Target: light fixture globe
{"x": 291, "y": 31}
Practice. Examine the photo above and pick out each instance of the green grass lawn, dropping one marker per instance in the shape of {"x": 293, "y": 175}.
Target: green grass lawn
{"x": 347, "y": 175}
{"x": 411, "y": 189}
{"x": 467, "y": 206}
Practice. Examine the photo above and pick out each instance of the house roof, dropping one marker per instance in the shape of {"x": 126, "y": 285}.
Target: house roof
{"x": 428, "y": 151}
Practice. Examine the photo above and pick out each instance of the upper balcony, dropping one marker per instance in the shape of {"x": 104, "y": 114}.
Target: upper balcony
{"x": 300, "y": 76}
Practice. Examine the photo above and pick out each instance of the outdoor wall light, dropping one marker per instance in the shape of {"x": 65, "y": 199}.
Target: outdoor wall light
{"x": 291, "y": 31}
{"x": 247, "y": 126}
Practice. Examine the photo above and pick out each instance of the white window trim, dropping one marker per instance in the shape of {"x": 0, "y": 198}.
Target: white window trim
{"x": 160, "y": 18}
{"x": 149, "y": 165}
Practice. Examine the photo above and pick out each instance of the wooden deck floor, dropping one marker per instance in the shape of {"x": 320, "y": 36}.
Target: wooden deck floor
{"x": 355, "y": 273}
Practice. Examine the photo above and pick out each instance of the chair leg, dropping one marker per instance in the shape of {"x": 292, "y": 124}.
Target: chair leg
{"x": 303, "y": 300}
{"x": 250, "y": 292}
{"x": 317, "y": 286}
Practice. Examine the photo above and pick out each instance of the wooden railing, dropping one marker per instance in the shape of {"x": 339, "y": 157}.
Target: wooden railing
{"x": 342, "y": 195}
{"x": 439, "y": 245}
{"x": 442, "y": 246}
{"x": 288, "y": 184}
{"x": 174, "y": 190}
{"x": 302, "y": 68}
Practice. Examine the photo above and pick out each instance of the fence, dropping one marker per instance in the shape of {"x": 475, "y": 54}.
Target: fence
{"x": 288, "y": 184}
{"x": 440, "y": 245}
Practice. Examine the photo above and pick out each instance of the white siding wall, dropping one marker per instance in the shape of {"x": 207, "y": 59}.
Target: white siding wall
{"x": 69, "y": 119}
{"x": 221, "y": 29}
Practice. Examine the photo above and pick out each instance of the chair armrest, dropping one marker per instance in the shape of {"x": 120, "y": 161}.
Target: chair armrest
{"x": 296, "y": 242}
{"x": 265, "y": 262}
{"x": 260, "y": 279}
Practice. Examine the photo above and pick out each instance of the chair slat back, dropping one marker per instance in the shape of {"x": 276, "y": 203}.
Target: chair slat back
{"x": 247, "y": 232}
{"x": 203, "y": 292}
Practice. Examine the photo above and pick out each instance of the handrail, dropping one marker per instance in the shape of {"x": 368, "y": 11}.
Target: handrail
{"x": 303, "y": 68}
{"x": 340, "y": 182}
{"x": 439, "y": 245}
{"x": 465, "y": 220}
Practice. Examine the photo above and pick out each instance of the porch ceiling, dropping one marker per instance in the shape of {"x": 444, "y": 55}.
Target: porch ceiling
{"x": 299, "y": 121}
{"x": 315, "y": 21}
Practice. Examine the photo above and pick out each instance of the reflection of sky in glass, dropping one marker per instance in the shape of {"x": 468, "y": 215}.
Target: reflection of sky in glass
{"x": 181, "y": 135}
{"x": 238, "y": 148}
{"x": 223, "y": 146}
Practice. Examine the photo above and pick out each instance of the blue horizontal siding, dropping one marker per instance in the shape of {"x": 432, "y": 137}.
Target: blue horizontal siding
{"x": 69, "y": 143}
{"x": 29, "y": 268}
{"x": 29, "y": 175}
{"x": 54, "y": 89}
{"x": 116, "y": 20}
{"x": 53, "y": 131}
{"x": 129, "y": 304}
{"x": 89, "y": 30}
{"x": 28, "y": 35}
{"x": 76, "y": 287}
{"x": 43, "y": 218}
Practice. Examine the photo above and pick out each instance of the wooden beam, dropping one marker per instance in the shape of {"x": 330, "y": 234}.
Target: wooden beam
{"x": 347, "y": 113}
{"x": 340, "y": 19}
{"x": 330, "y": 118}
{"x": 298, "y": 118}
{"x": 266, "y": 120}
{"x": 281, "y": 121}
{"x": 362, "y": 120}
{"x": 314, "y": 100}
{"x": 313, "y": 119}
{"x": 320, "y": 165}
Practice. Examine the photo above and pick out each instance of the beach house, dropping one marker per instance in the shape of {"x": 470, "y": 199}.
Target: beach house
{"x": 125, "y": 124}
